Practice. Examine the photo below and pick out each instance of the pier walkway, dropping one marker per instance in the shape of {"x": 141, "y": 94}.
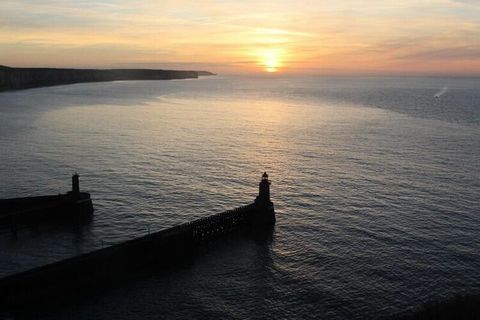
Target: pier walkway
{"x": 107, "y": 266}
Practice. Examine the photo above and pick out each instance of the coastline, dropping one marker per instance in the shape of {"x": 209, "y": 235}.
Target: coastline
{"x": 26, "y": 78}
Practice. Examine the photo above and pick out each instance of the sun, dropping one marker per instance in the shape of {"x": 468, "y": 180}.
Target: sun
{"x": 270, "y": 59}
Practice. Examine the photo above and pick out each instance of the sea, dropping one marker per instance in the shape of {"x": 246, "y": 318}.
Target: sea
{"x": 375, "y": 183}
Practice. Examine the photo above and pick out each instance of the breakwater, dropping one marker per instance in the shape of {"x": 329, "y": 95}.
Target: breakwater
{"x": 23, "y": 78}
{"x": 71, "y": 205}
{"x": 108, "y": 266}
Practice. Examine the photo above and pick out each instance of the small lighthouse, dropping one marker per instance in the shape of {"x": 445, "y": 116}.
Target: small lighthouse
{"x": 264, "y": 213}
{"x": 264, "y": 189}
{"x": 75, "y": 185}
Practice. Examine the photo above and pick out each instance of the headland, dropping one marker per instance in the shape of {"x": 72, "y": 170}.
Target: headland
{"x": 25, "y": 78}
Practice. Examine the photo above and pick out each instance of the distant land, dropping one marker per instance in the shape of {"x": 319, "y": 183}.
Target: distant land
{"x": 24, "y": 78}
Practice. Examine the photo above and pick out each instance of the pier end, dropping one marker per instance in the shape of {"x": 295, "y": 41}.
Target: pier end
{"x": 264, "y": 212}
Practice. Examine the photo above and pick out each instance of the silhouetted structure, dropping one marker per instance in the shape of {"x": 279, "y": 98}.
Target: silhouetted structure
{"x": 459, "y": 307}
{"x": 73, "y": 204}
{"x": 105, "y": 266}
{"x": 75, "y": 185}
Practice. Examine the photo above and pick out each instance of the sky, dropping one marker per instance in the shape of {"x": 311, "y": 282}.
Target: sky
{"x": 421, "y": 37}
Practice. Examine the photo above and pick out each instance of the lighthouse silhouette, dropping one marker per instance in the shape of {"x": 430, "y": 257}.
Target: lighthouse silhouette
{"x": 264, "y": 189}
{"x": 264, "y": 213}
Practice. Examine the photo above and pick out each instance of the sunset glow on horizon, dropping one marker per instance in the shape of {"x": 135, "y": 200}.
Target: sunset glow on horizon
{"x": 297, "y": 37}
{"x": 270, "y": 59}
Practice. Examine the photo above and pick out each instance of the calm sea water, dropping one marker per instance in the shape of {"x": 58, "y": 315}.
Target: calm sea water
{"x": 375, "y": 181}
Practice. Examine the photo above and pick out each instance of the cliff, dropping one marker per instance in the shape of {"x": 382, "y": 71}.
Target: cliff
{"x": 23, "y": 78}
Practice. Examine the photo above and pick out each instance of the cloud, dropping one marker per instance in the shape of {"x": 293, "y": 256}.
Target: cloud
{"x": 457, "y": 53}
{"x": 341, "y": 35}
{"x": 468, "y": 2}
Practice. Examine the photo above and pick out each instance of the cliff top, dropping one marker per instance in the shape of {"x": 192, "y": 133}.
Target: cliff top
{"x": 206, "y": 73}
{"x": 201, "y": 73}
{"x": 25, "y": 78}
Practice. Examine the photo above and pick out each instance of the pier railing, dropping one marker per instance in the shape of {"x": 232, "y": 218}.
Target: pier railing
{"x": 219, "y": 224}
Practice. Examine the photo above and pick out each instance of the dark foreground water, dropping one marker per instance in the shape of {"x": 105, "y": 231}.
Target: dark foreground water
{"x": 376, "y": 184}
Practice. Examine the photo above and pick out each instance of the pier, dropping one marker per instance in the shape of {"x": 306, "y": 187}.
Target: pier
{"x": 107, "y": 266}
{"x": 71, "y": 205}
